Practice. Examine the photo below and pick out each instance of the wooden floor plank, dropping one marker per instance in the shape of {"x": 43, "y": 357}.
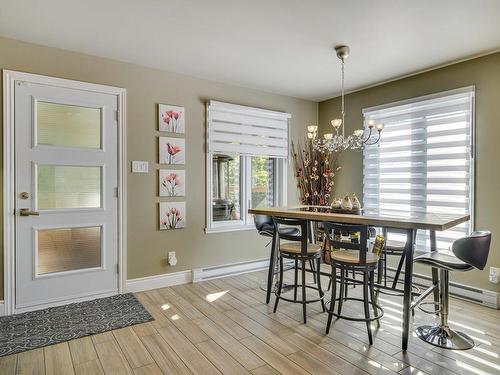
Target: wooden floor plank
{"x": 112, "y": 359}
{"x": 8, "y": 364}
{"x": 164, "y": 356}
{"x": 132, "y": 348}
{"x": 191, "y": 356}
{"x": 239, "y": 352}
{"x": 31, "y": 362}
{"x": 265, "y": 370}
{"x": 89, "y": 368}
{"x": 311, "y": 364}
{"x": 272, "y": 356}
{"x": 151, "y": 369}
{"x": 82, "y": 350}
{"x": 58, "y": 359}
{"x": 220, "y": 358}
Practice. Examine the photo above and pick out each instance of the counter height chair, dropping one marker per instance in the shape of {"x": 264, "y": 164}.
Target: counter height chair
{"x": 265, "y": 227}
{"x": 466, "y": 254}
{"x": 352, "y": 256}
{"x": 302, "y": 252}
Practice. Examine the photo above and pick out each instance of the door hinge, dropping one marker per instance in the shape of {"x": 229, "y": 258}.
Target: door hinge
{"x": 117, "y": 116}
{"x": 117, "y": 268}
{"x": 117, "y": 192}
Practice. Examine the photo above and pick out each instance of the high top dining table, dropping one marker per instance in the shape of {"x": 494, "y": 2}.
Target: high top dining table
{"x": 386, "y": 219}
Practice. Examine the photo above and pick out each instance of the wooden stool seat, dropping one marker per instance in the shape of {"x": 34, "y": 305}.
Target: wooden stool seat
{"x": 352, "y": 257}
{"x": 295, "y": 248}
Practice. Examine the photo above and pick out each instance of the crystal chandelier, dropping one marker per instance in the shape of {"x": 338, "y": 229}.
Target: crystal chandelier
{"x": 336, "y": 142}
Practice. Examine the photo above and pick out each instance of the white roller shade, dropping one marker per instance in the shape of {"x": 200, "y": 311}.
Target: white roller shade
{"x": 247, "y": 130}
{"x": 424, "y": 160}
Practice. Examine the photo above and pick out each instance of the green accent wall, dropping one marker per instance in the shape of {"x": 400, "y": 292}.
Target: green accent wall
{"x": 484, "y": 73}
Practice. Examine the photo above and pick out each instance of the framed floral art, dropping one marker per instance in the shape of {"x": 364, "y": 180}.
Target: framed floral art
{"x": 172, "y": 183}
{"x": 171, "y": 118}
{"x": 172, "y": 150}
{"x": 172, "y": 215}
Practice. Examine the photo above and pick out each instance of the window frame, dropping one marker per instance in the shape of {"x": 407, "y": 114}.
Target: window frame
{"x": 472, "y": 146}
{"x": 246, "y": 220}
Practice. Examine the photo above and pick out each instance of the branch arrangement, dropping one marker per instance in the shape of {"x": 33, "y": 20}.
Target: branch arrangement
{"x": 315, "y": 172}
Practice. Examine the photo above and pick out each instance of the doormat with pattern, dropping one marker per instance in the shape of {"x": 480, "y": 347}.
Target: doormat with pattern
{"x": 35, "y": 329}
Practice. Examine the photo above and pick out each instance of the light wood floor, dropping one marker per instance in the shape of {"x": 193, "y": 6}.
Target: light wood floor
{"x": 223, "y": 326}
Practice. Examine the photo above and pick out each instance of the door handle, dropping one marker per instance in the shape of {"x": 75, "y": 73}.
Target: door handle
{"x": 27, "y": 212}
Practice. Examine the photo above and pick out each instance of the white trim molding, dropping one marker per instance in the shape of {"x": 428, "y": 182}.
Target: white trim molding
{"x": 158, "y": 281}
{"x": 2, "y": 308}
{"x": 480, "y": 296}
{"x": 226, "y": 270}
{"x": 9, "y": 79}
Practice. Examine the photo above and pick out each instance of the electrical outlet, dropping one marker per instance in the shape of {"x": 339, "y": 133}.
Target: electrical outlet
{"x": 140, "y": 166}
{"x": 172, "y": 260}
{"x": 494, "y": 274}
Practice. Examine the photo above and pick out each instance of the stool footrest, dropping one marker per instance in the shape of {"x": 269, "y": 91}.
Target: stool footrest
{"x": 380, "y": 311}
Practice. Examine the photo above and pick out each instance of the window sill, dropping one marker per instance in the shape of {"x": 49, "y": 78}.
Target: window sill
{"x": 223, "y": 229}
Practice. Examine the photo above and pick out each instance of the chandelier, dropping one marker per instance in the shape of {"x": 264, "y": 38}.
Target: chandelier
{"x": 336, "y": 142}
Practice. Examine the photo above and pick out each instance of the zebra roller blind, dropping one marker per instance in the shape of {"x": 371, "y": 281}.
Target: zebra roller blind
{"x": 424, "y": 162}
{"x": 246, "y": 130}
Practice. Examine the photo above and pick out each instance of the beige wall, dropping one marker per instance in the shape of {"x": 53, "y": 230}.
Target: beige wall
{"x": 483, "y": 72}
{"x": 147, "y": 246}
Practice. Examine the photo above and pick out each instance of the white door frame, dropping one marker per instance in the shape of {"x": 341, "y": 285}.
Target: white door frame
{"x": 9, "y": 79}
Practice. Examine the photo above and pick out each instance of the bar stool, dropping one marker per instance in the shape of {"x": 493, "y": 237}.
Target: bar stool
{"x": 299, "y": 252}
{"x": 353, "y": 256}
{"x": 392, "y": 247}
{"x": 466, "y": 254}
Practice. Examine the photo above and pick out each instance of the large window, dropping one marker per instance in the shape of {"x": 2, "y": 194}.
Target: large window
{"x": 247, "y": 150}
{"x": 424, "y": 162}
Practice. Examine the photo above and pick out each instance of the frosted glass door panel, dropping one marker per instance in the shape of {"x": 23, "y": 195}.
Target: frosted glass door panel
{"x": 68, "y": 249}
{"x": 65, "y": 125}
{"x": 61, "y": 186}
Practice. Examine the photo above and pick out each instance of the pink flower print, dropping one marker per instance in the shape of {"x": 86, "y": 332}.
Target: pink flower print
{"x": 171, "y": 182}
{"x": 172, "y": 150}
{"x": 172, "y": 119}
{"x": 173, "y": 217}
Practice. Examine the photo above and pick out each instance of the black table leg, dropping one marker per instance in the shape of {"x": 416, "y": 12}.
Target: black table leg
{"x": 435, "y": 278}
{"x": 407, "y": 286}
{"x": 270, "y": 274}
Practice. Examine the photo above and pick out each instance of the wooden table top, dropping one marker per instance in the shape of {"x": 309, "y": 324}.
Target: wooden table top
{"x": 389, "y": 219}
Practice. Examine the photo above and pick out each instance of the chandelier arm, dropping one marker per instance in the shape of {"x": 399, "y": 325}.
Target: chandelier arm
{"x": 364, "y": 141}
{"x": 343, "y": 100}
{"x": 375, "y": 142}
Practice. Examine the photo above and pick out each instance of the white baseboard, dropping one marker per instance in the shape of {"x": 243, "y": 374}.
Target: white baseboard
{"x": 480, "y": 296}
{"x": 158, "y": 281}
{"x": 2, "y": 308}
{"x": 226, "y": 270}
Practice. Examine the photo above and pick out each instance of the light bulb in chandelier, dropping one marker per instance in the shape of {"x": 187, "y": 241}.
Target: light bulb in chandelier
{"x": 371, "y": 124}
{"x": 336, "y": 123}
{"x": 358, "y": 132}
{"x": 310, "y": 135}
{"x": 312, "y": 128}
{"x": 328, "y": 136}
{"x": 380, "y": 127}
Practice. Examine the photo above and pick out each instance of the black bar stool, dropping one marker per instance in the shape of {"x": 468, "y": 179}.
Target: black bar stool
{"x": 466, "y": 254}
{"x": 299, "y": 252}
{"x": 353, "y": 256}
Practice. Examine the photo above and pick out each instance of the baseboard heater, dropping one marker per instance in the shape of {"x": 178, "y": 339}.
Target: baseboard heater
{"x": 483, "y": 297}
{"x": 226, "y": 270}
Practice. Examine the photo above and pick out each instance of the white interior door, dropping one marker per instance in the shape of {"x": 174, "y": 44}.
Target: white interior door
{"x": 65, "y": 195}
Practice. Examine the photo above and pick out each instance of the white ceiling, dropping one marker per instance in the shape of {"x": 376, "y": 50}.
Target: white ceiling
{"x": 278, "y": 46}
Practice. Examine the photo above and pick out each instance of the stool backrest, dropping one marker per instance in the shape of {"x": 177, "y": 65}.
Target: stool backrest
{"x": 473, "y": 249}
{"x": 264, "y": 223}
{"x": 331, "y": 228}
{"x": 304, "y": 230}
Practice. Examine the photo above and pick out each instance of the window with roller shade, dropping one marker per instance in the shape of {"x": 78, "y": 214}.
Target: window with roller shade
{"x": 425, "y": 160}
{"x": 247, "y": 151}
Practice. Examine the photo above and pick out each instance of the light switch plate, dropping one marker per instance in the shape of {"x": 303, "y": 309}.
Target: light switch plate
{"x": 140, "y": 166}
